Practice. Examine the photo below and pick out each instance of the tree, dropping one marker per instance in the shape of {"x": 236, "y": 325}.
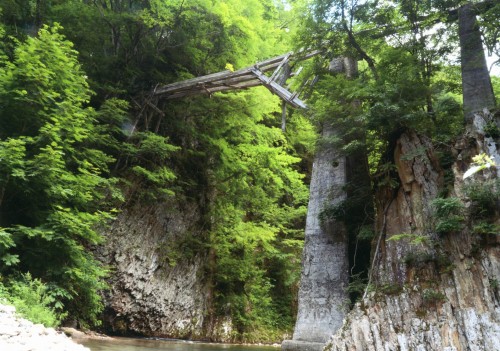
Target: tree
{"x": 54, "y": 190}
{"x": 476, "y": 84}
{"x": 403, "y": 90}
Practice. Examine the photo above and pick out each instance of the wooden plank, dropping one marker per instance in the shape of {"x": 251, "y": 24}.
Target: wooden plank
{"x": 241, "y": 79}
{"x": 233, "y": 83}
{"x": 266, "y": 65}
{"x": 282, "y": 63}
{"x": 186, "y": 93}
{"x": 279, "y": 90}
{"x": 234, "y": 80}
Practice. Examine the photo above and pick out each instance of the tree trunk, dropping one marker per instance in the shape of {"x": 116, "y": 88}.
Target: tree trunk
{"x": 476, "y": 83}
{"x": 323, "y": 297}
{"x": 322, "y": 293}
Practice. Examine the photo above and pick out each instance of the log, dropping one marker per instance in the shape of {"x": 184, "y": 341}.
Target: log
{"x": 208, "y": 91}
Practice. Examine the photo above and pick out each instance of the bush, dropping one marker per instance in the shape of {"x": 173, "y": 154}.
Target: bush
{"x": 431, "y": 296}
{"x": 32, "y": 300}
{"x": 448, "y": 214}
{"x": 484, "y": 197}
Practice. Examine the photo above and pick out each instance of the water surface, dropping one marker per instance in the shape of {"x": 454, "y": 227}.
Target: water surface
{"x": 128, "y": 344}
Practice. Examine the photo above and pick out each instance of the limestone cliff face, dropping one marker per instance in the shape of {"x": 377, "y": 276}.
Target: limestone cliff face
{"x": 155, "y": 290}
{"x": 438, "y": 293}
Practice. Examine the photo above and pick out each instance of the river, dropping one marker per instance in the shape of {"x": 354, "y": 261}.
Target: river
{"x": 128, "y": 344}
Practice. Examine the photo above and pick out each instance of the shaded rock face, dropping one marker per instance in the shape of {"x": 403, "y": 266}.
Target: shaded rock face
{"x": 438, "y": 294}
{"x": 156, "y": 290}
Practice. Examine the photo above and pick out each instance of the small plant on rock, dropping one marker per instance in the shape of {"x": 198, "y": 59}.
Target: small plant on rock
{"x": 448, "y": 214}
{"x": 431, "y": 296}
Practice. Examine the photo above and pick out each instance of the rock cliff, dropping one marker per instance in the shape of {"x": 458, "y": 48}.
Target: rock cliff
{"x": 432, "y": 287}
{"x": 156, "y": 289}
{"x": 325, "y": 263}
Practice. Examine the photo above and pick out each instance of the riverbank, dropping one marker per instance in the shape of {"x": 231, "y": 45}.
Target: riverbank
{"x": 19, "y": 334}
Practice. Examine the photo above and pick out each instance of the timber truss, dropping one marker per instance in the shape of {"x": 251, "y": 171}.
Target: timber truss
{"x": 242, "y": 79}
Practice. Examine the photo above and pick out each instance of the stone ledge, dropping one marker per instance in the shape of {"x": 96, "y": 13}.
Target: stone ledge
{"x": 298, "y": 345}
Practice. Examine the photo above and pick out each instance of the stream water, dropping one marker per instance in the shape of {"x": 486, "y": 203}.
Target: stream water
{"x": 128, "y": 344}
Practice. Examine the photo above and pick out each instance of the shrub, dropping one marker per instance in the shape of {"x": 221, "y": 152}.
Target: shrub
{"x": 484, "y": 197}
{"x": 431, "y": 296}
{"x": 32, "y": 300}
{"x": 485, "y": 228}
{"x": 448, "y": 214}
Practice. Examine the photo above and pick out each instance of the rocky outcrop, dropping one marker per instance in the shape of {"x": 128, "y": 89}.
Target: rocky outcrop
{"x": 158, "y": 285}
{"x": 430, "y": 291}
{"x": 18, "y": 334}
{"x": 458, "y": 311}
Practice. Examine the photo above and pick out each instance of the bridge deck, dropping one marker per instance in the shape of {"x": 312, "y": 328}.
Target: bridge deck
{"x": 241, "y": 79}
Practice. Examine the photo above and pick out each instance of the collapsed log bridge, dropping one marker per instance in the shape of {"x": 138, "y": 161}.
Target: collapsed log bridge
{"x": 242, "y": 79}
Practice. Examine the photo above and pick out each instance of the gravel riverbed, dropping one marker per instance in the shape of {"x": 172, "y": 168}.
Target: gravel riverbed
{"x": 19, "y": 334}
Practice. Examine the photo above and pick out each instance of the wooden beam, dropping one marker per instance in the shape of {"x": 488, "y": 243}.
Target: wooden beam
{"x": 282, "y": 63}
{"x": 208, "y": 91}
{"x": 279, "y": 90}
{"x": 241, "y": 79}
{"x": 264, "y": 66}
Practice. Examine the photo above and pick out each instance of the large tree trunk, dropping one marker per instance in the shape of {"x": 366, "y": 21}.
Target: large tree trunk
{"x": 324, "y": 279}
{"x": 323, "y": 297}
{"x": 476, "y": 83}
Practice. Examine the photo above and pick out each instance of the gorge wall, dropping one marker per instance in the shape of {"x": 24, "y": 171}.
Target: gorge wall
{"x": 155, "y": 289}
{"x": 431, "y": 289}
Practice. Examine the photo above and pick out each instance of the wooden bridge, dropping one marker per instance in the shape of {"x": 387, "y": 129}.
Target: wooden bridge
{"x": 243, "y": 79}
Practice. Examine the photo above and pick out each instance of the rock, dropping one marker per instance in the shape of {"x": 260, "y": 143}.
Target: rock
{"x": 325, "y": 263}
{"x": 151, "y": 294}
{"x": 18, "y": 334}
{"x": 448, "y": 298}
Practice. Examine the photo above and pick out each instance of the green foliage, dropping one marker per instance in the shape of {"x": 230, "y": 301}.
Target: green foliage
{"x": 357, "y": 284}
{"x": 389, "y": 289}
{"x": 491, "y": 130}
{"x": 444, "y": 207}
{"x": 448, "y": 214}
{"x": 495, "y": 82}
{"x": 485, "y": 228}
{"x": 33, "y": 300}
{"x": 7, "y": 242}
{"x": 416, "y": 258}
{"x": 54, "y": 187}
{"x": 255, "y": 234}
{"x": 431, "y": 296}
{"x": 147, "y": 154}
{"x": 413, "y": 239}
{"x": 484, "y": 197}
